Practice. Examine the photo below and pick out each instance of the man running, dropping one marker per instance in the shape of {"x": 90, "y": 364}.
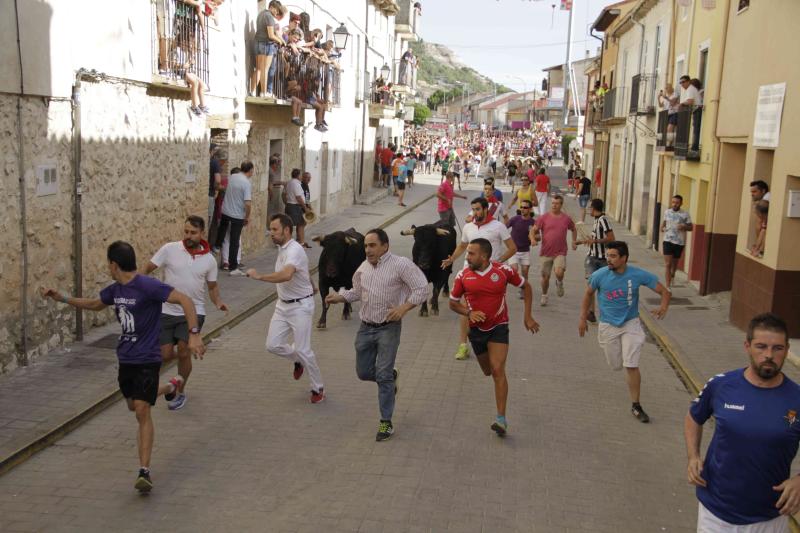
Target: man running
{"x": 552, "y": 229}
{"x": 482, "y": 226}
{"x": 602, "y": 234}
{"x": 620, "y": 331}
{"x": 745, "y": 483}
{"x": 445, "y": 194}
{"x": 542, "y": 187}
{"x": 295, "y": 308}
{"x": 190, "y": 268}
{"x": 137, "y": 302}
{"x": 520, "y": 226}
{"x": 483, "y": 286}
{"x": 674, "y": 226}
{"x": 390, "y": 286}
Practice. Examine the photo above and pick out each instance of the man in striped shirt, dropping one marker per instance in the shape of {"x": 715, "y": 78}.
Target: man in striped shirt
{"x": 389, "y": 286}
{"x": 601, "y": 235}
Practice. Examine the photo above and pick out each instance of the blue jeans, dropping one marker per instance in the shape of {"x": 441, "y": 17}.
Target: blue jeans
{"x": 376, "y": 350}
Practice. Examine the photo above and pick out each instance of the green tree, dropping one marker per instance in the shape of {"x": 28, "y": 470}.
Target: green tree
{"x": 421, "y": 114}
{"x": 565, "y": 140}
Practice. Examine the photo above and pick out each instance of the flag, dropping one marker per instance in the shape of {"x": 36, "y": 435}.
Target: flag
{"x": 566, "y": 5}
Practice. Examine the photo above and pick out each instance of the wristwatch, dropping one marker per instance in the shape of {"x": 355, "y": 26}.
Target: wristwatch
{"x": 194, "y": 331}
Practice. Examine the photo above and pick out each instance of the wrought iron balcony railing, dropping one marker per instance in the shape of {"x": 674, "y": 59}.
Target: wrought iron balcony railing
{"x": 181, "y": 41}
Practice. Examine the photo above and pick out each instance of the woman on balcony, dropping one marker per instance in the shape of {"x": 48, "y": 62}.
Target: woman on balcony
{"x": 266, "y": 45}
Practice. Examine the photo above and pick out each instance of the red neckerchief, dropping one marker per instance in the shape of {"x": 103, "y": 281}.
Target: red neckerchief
{"x": 202, "y": 248}
{"x": 486, "y": 220}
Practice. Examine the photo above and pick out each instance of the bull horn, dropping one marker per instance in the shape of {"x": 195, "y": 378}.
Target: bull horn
{"x": 442, "y": 232}
{"x": 409, "y": 231}
{"x": 318, "y": 238}
{"x": 350, "y": 240}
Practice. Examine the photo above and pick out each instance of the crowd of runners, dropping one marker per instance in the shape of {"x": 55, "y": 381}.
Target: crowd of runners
{"x": 161, "y": 321}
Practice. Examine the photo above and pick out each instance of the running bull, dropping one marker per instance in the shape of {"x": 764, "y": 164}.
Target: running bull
{"x": 433, "y": 243}
{"x": 342, "y": 254}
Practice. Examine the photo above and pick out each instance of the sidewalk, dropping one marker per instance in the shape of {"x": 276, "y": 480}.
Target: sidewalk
{"x": 56, "y": 393}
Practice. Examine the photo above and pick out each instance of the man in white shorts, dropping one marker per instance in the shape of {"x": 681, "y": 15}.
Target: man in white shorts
{"x": 620, "y": 332}
{"x": 482, "y": 226}
{"x": 520, "y": 226}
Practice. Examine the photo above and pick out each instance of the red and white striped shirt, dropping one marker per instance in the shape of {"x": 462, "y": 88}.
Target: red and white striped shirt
{"x": 393, "y": 281}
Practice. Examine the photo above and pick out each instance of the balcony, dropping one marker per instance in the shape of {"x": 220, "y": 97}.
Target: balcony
{"x": 406, "y": 76}
{"x": 614, "y": 106}
{"x": 180, "y": 42}
{"x": 687, "y": 133}
{"x": 407, "y": 22}
{"x": 664, "y": 137}
{"x": 382, "y": 102}
{"x": 643, "y": 94}
{"x": 314, "y": 77}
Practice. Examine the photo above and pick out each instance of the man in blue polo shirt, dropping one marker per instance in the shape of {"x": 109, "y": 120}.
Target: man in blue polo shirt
{"x": 620, "y": 332}
{"x": 744, "y": 484}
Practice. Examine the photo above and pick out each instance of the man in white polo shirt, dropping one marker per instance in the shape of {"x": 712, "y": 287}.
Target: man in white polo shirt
{"x": 190, "y": 268}
{"x": 235, "y": 213}
{"x": 482, "y": 226}
{"x": 295, "y": 307}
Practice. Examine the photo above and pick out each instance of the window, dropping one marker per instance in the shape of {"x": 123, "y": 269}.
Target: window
{"x": 657, "y": 50}
{"x": 680, "y": 69}
{"x": 702, "y": 66}
{"x": 743, "y": 5}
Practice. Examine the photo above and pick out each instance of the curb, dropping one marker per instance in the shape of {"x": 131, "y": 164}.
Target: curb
{"x": 29, "y": 450}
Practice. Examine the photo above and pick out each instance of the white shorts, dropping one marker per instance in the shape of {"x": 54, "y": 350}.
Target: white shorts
{"x": 520, "y": 258}
{"x": 621, "y": 345}
{"x": 707, "y": 522}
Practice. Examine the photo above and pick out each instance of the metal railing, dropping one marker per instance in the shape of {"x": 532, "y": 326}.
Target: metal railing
{"x": 382, "y": 95}
{"x": 687, "y": 133}
{"x": 663, "y": 142}
{"x": 614, "y": 103}
{"x": 310, "y": 77}
{"x": 180, "y": 40}
{"x": 643, "y": 94}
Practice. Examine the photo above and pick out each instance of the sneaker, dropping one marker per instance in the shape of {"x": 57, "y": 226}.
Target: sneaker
{"x": 591, "y": 317}
{"x": 215, "y": 250}
{"x": 205, "y": 109}
{"x": 317, "y": 397}
{"x": 500, "y": 426}
{"x": 396, "y": 381}
{"x": 324, "y": 123}
{"x": 385, "y": 430}
{"x": 560, "y": 288}
{"x": 176, "y": 384}
{"x": 462, "y": 352}
{"x": 143, "y": 483}
{"x": 226, "y": 267}
{"x": 237, "y": 272}
{"x": 178, "y": 403}
{"x": 196, "y": 111}
{"x": 321, "y": 127}
{"x": 298, "y": 371}
{"x": 543, "y": 300}
{"x": 297, "y": 122}
{"x": 638, "y": 412}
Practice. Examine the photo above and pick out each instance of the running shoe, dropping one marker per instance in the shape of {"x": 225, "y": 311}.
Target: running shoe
{"x": 462, "y": 352}
{"x": 143, "y": 483}
{"x": 500, "y": 427}
{"x": 178, "y": 403}
{"x": 297, "y": 122}
{"x": 560, "y": 287}
{"x": 543, "y": 301}
{"x": 385, "y": 430}
{"x": 317, "y": 397}
{"x": 591, "y": 317}
{"x": 176, "y": 384}
{"x": 298, "y": 371}
{"x": 226, "y": 267}
{"x": 396, "y": 381}
{"x": 205, "y": 109}
{"x": 638, "y": 412}
{"x": 237, "y": 272}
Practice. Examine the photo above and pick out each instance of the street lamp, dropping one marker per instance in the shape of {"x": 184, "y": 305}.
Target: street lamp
{"x": 340, "y": 37}
{"x": 385, "y": 71}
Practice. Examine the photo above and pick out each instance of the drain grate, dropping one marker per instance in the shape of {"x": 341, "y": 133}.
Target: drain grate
{"x": 109, "y": 342}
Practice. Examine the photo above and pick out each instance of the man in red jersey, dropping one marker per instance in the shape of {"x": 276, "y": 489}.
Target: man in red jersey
{"x": 483, "y": 286}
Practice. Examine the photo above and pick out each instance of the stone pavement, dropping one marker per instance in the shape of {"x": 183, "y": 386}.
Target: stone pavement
{"x": 249, "y": 452}
{"x": 57, "y": 390}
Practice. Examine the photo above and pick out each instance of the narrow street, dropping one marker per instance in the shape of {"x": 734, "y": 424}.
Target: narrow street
{"x": 249, "y": 452}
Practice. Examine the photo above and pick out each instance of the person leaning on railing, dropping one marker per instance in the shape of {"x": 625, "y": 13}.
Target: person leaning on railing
{"x": 266, "y": 45}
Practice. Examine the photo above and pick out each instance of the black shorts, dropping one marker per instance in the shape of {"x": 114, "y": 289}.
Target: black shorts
{"x": 670, "y": 248}
{"x": 175, "y": 328}
{"x": 410, "y": 173}
{"x": 401, "y": 185}
{"x": 295, "y": 212}
{"x": 139, "y": 382}
{"x": 672, "y": 119}
{"x": 480, "y": 339}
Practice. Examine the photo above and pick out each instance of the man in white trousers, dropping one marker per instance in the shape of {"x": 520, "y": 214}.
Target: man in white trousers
{"x": 295, "y": 308}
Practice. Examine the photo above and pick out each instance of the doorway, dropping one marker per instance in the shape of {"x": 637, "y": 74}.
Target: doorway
{"x": 274, "y": 203}
{"x": 648, "y": 168}
{"x": 323, "y": 180}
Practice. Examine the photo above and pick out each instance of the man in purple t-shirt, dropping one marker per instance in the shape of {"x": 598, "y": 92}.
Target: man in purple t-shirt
{"x": 520, "y": 226}
{"x": 552, "y": 228}
{"x": 137, "y": 303}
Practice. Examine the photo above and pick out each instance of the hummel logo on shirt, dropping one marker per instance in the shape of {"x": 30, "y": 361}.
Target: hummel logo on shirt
{"x": 734, "y": 407}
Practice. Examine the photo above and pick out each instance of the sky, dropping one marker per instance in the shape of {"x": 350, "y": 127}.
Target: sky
{"x": 511, "y": 39}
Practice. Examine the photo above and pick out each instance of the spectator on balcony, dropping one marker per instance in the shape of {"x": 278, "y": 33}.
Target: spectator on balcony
{"x": 697, "y": 114}
{"x": 669, "y": 102}
{"x": 294, "y": 24}
{"x": 759, "y": 190}
{"x": 266, "y": 45}
{"x": 689, "y": 94}
{"x": 407, "y": 64}
{"x": 185, "y": 68}
{"x": 762, "y": 211}
{"x": 294, "y": 90}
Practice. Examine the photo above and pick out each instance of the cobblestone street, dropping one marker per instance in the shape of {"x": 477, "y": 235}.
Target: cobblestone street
{"x": 249, "y": 452}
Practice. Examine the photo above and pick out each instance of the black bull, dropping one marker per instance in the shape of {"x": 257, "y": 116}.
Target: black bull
{"x": 433, "y": 243}
{"x": 342, "y": 254}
